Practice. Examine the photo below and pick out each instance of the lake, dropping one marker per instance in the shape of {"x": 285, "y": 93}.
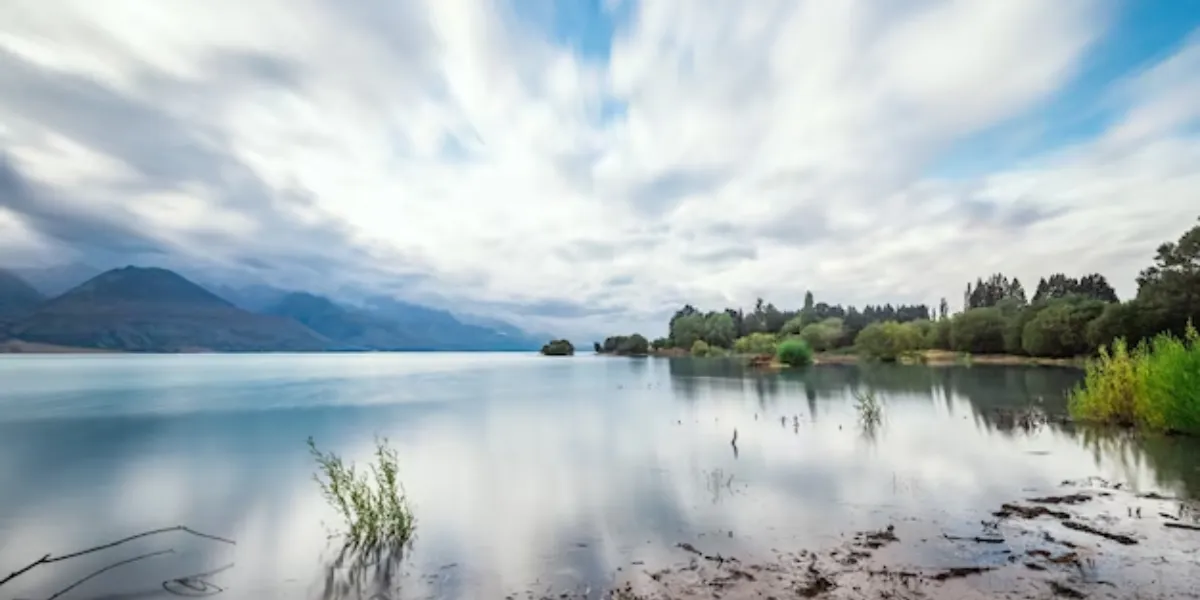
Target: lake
{"x": 532, "y": 475}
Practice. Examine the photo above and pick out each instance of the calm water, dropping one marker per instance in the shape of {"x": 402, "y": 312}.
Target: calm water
{"x": 526, "y": 472}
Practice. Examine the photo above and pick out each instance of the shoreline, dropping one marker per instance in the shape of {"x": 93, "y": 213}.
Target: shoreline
{"x": 933, "y": 358}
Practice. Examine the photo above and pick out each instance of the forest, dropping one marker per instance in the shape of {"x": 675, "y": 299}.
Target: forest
{"x": 1065, "y": 317}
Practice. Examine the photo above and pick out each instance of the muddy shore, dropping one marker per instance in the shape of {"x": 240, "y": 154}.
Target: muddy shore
{"x": 1090, "y": 539}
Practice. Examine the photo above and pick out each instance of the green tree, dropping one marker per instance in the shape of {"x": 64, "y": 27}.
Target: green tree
{"x": 685, "y": 330}
{"x": 1169, "y": 290}
{"x": 979, "y": 331}
{"x": 700, "y": 348}
{"x": 888, "y": 340}
{"x": 1060, "y": 329}
{"x": 823, "y": 336}
{"x": 719, "y": 330}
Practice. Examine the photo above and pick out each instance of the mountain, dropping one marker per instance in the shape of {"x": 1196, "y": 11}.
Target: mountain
{"x": 349, "y": 328}
{"x": 52, "y": 281}
{"x": 254, "y": 298}
{"x": 444, "y": 329}
{"x": 17, "y": 299}
{"x": 156, "y": 310}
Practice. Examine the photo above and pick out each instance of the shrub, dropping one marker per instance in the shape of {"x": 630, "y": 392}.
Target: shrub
{"x": 887, "y": 340}
{"x": 979, "y": 331}
{"x": 1156, "y": 385}
{"x": 374, "y": 507}
{"x": 558, "y": 348}
{"x": 794, "y": 352}
{"x": 756, "y": 343}
{"x": 700, "y": 348}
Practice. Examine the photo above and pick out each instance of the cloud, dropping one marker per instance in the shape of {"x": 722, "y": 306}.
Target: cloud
{"x": 466, "y": 152}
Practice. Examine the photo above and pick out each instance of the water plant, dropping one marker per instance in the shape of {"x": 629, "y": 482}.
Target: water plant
{"x": 373, "y": 505}
{"x": 870, "y": 411}
{"x": 1155, "y": 385}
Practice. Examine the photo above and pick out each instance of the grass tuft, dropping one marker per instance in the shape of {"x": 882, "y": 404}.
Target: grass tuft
{"x": 372, "y": 505}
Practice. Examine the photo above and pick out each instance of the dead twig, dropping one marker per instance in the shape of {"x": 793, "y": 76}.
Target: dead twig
{"x": 1182, "y": 526}
{"x": 49, "y": 559}
{"x": 109, "y": 568}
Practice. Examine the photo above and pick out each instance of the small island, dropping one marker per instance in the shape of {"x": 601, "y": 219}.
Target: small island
{"x": 558, "y": 348}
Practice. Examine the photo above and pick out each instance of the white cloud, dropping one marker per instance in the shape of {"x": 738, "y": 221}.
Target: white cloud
{"x": 761, "y": 148}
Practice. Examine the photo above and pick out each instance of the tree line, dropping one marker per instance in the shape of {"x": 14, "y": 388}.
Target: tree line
{"x": 1066, "y": 317}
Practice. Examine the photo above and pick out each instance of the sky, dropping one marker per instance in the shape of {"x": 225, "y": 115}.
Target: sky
{"x": 588, "y": 167}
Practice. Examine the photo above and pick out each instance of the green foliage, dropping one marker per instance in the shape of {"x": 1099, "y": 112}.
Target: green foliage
{"x": 700, "y": 348}
{"x": 756, "y": 343}
{"x": 794, "y": 325}
{"x": 794, "y": 352}
{"x": 626, "y": 345}
{"x": 719, "y": 329}
{"x": 558, "y": 348}
{"x": 940, "y": 336}
{"x": 687, "y": 329}
{"x": 1156, "y": 385}
{"x": 1060, "y": 329}
{"x": 823, "y": 336}
{"x": 979, "y": 331}
{"x": 660, "y": 343}
{"x": 374, "y": 507}
{"x": 888, "y": 341}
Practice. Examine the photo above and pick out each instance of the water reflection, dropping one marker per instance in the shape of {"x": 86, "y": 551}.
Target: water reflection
{"x": 525, "y": 474}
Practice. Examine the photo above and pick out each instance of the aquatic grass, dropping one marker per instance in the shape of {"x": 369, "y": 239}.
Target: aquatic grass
{"x": 870, "y": 411}
{"x": 1155, "y": 385}
{"x": 372, "y": 505}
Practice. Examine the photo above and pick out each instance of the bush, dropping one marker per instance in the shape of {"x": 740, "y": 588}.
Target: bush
{"x": 1156, "y": 385}
{"x": 700, "y": 348}
{"x": 888, "y": 340}
{"x": 794, "y": 352}
{"x": 558, "y": 348}
{"x": 756, "y": 343}
{"x": 979, "y": 331}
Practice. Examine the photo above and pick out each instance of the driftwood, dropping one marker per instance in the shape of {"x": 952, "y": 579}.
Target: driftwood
{"x": 51, "y": 559}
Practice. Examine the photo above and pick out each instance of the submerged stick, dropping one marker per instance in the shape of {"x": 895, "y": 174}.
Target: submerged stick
{"x": 48, "y": 559}
{"x": 109, "y": 568}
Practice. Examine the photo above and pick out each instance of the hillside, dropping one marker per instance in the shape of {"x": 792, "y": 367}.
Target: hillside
{"x": 156, "y": 310}
{"x": 55, "y": 280}
{"x": 349, "y": 328}
{"x": 444, "y": 329}
{"x": 17, "y": 299}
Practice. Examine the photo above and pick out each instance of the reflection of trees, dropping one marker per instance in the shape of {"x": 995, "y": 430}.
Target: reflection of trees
{"x": 1007, "y": 399}
{"x": 1171, "y": 458}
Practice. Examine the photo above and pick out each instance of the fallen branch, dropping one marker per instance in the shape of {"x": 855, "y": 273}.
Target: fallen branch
{"x": 977, "y": 539}
{"x": 1116, "y": 537}
{"x": 1182, "y": 526}
{"x": 48, "y": 559}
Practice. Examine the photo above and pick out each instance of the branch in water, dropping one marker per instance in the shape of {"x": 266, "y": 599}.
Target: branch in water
{"x": 109, "y": 568}
{"x": 47, "y": 559}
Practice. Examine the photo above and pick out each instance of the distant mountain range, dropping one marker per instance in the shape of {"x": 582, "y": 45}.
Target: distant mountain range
{"x": 156, "y": 310}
